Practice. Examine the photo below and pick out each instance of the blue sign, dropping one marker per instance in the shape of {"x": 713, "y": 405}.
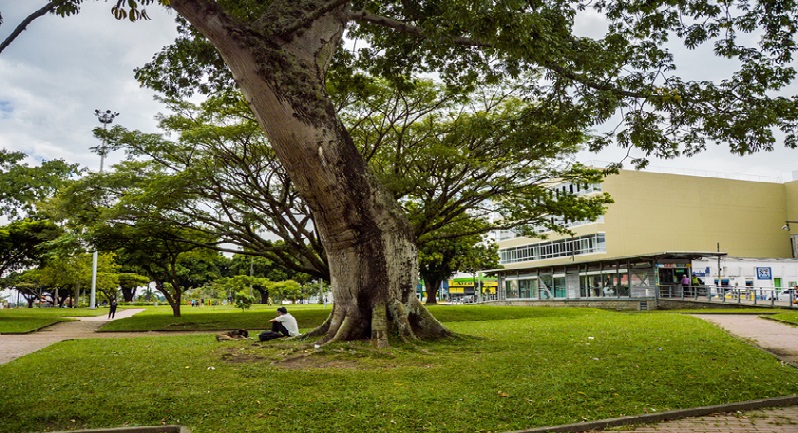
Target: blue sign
{"x": 701, "y": 273}
{"x": 764, "y": 274}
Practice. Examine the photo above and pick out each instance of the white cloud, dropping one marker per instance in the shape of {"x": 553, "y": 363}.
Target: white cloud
{"x": 60, "y": 70}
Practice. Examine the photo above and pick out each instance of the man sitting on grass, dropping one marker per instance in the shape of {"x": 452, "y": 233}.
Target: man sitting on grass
{"x": 284, "y": 325}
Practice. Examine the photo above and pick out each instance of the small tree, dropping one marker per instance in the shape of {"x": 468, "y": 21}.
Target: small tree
{"x": 128, "y": 282}
{"x": 481, "y": 256}
{"x": 288, "y": 289}
{"x": 244, "y": 301}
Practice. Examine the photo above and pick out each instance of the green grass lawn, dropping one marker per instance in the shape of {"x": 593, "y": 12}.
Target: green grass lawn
{"x": 790, "y": 317}
{"x": 229, "y": 317}
{"x": 24, "y": 320}
{"x": 513, "y": 368}
{"x": 214, "y": 318}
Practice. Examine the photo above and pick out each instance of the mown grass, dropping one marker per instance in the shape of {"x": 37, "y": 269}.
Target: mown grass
{"x": 214, "y": 318}
{"x": 24, "y": 320}
{"x": 536, "y": 367}
{"x": 228, "y": 317}
{"x": 789, "y": 317}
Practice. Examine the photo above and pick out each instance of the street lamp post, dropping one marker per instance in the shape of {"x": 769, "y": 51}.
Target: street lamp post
{"x": 105, "y": 117}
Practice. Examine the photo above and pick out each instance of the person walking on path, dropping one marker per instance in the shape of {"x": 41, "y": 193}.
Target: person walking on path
{"x": 112, "y": 310}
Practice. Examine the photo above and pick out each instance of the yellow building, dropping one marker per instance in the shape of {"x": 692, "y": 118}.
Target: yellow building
{"x": 657, "y": 222}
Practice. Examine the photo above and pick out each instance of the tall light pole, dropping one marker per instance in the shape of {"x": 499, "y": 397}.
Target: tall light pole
{"x": 105, "y": 117}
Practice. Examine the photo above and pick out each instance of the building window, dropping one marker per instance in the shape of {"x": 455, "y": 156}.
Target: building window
{"x": 594, "y": 243}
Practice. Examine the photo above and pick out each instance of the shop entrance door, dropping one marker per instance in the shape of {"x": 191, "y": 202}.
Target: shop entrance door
{"x": 669, "y": 281}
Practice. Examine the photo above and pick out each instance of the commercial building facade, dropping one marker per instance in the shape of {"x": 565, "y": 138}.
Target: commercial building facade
{"x": 658, "y": 226}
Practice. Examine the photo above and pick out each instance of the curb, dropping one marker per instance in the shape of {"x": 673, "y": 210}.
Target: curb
{"x": 142, "y": 429}
{"x": 754, "y": 344}
{"x": 783, "y": 322}
{"x": 666, "y": 416}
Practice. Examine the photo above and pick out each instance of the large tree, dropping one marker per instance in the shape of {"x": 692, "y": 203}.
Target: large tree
{"x": 435, "y": 150}
{"x": 280, "y": 51}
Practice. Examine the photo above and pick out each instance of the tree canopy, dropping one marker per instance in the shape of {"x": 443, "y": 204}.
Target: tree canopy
{"x": 627, "y": 74}
{"x": 23, "y": 187}
{"x": 436, "y": 151}
{"x": 24, "y": 244}
{"x": 628, "y": 68}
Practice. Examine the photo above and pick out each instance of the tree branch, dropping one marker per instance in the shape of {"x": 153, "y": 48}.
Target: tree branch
{"x": 305, "y": 20}
{"x": 370, "y": 18}
{"x": 49, "y": 7}
{"x": 403, "y": 27}
{"x": 199, "y": 13}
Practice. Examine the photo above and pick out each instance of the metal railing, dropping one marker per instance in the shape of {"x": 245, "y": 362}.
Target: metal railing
{"x": 768, "y": 296}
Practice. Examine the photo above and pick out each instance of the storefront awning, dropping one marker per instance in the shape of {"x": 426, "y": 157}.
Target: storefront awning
{"x": 664, "y": 255}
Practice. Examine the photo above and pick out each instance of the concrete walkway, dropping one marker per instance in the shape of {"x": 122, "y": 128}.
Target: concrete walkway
{"x": 14, "y": 346}
{"x": 778, "y": 420}
{"x": 777, "y": 338}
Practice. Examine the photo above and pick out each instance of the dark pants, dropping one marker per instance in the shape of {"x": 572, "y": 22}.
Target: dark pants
{"x": 278, "y": 331}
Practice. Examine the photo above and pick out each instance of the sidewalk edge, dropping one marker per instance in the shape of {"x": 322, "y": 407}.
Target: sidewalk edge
{"x": 666, "y": 416}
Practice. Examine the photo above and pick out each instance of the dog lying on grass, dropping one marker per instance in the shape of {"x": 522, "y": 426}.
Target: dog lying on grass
{"x": 236, "y": 334}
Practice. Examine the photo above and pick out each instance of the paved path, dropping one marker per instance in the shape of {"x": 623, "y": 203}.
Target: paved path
{"x": 775, "y": 337}
{"x": 14, "y": 346}
{"x": 778, "y": 420}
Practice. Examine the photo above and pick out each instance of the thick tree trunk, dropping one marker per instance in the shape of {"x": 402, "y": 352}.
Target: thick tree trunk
{"x": 128, "y": 293}
{"x": 432, "y": 285}
{"x": 264, "y": 295}
{"x": 173, "y": 299}
{"x": 370, "y": 248}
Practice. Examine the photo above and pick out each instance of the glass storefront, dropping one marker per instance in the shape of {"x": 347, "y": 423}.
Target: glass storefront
{"x": 634, "y": 277}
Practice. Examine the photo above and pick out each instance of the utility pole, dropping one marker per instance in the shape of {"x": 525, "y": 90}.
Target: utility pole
{"x": 105, "y": 118}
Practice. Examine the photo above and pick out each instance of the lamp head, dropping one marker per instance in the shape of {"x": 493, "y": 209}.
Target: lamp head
{"x": 786, "y": 227}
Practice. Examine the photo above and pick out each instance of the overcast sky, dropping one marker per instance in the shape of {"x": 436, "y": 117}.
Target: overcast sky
{"x": 60, "y": 70}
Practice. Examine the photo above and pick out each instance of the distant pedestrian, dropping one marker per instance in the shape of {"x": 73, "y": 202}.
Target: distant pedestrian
{"x": 685, "y": 282}
{"x": 112, "y": 310}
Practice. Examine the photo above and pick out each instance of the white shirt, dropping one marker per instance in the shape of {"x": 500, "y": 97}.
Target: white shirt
{"x": 290, "y": 324}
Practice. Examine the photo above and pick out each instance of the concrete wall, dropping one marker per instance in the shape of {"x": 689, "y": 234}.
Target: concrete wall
{"x": 656, "y": 212}
{"x": 609, "y": 304}
{"x": 666, "y": 212}
{"x": 791, "y": 197}
{"x": 632, "y": 304}
{"x": 676, "y": 304}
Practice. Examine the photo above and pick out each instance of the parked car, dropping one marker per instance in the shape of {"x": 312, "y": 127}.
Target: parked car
{"x": 784, "y": 295}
